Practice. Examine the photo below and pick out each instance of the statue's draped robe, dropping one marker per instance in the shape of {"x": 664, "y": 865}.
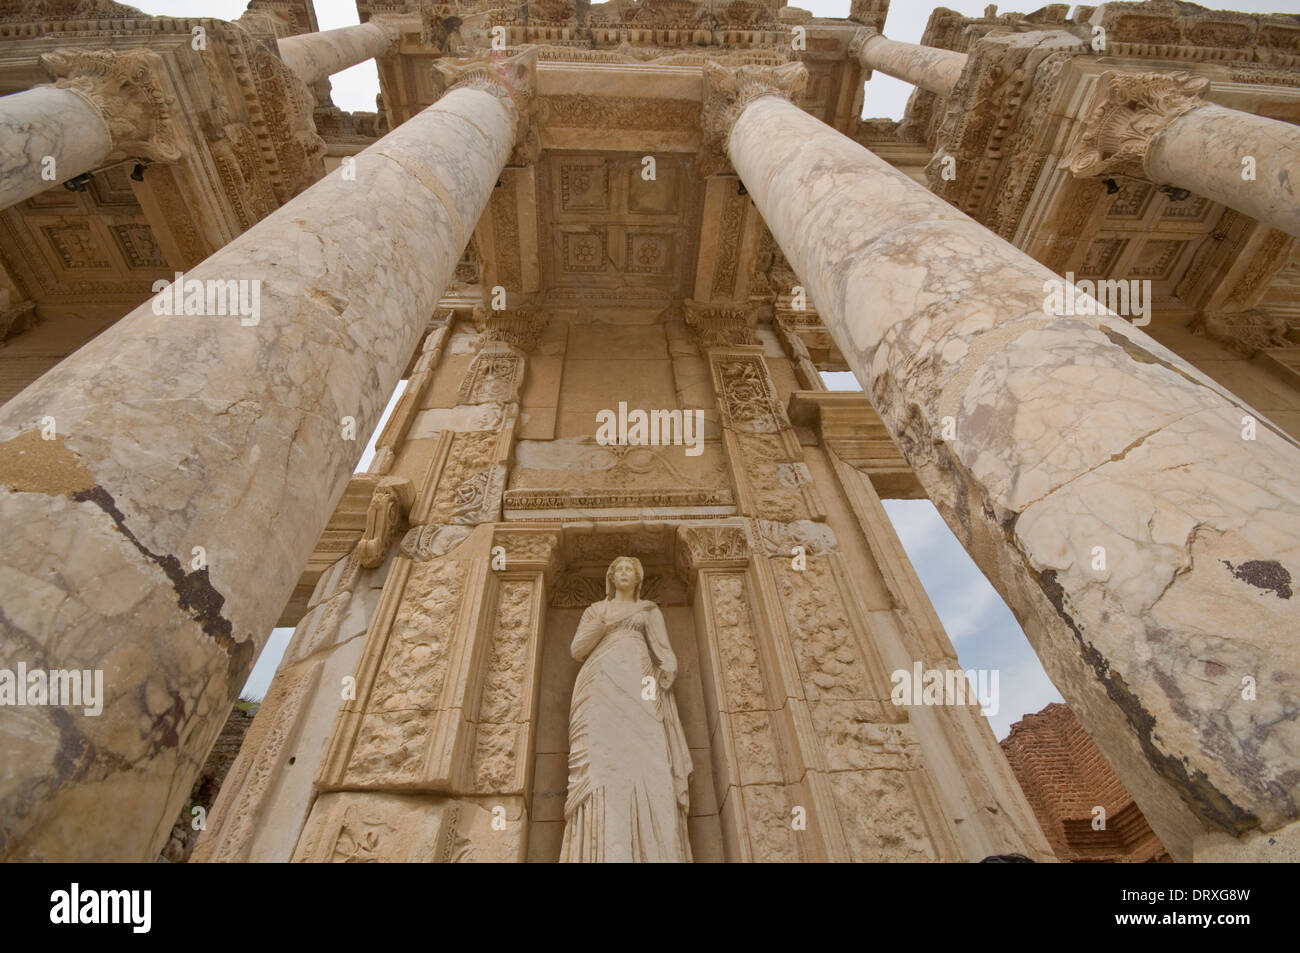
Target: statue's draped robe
{"x": 629, "y": 764}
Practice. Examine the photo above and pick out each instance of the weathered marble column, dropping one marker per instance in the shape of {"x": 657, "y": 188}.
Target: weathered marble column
{"x": 1156, "y": 126}
{"x": 1141, "y": 522}
{"x": 162, "y": 488}
{"x": 105, "y": 106}
{"x": 924, "y": 66}
{"x": 317, "y": 56}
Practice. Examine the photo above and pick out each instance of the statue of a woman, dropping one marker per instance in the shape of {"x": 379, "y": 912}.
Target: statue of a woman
{"x": 629, "y": 763}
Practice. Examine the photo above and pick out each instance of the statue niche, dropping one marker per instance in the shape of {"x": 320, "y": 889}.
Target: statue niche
{"x": 629, "y": 764}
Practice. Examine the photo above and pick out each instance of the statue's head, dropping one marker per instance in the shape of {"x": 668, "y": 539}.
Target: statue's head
{"x": 623, "y": 569}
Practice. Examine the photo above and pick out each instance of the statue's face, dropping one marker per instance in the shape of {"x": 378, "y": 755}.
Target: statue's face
{"x": 624, "y": 575}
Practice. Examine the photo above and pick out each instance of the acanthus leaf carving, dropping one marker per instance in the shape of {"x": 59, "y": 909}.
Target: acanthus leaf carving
{"x": 727, "y": 91}
{"x": 1128, "y": 111}
{"x": 700, "y": 546}
{"x": 512, "y": 81}
{"x": 130, "y": 91}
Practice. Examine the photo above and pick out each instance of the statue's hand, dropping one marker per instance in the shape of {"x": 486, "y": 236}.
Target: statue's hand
{"x": 666, "y": 677}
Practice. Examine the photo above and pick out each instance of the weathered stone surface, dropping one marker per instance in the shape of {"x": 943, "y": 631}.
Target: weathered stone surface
{"x": 245, "y": 463}
{"x": 940, "y": 319}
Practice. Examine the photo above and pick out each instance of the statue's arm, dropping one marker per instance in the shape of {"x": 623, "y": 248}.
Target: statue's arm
{"x": 590, "y": 631}
{"x": 657, "y": 635}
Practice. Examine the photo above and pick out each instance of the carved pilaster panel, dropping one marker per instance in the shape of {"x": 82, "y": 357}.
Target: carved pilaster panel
{"x": 864, "y": 743}
{"x": 505, "y": 719}
{"x": 234, "y": 820}
{"x": 495, "y": 375}
{"x": 406, "y": 728}
{"x": 471, "y": 481}
{"x": 747, "y": 398}
{"x": 369, "y": 827}
{"x": 768, "y": 469}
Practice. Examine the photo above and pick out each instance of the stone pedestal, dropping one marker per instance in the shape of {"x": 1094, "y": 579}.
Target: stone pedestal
{"x": 1102, "y": 484}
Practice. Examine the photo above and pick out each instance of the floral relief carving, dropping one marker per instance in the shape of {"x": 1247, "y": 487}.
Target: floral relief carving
{"x": 402, "y": 706}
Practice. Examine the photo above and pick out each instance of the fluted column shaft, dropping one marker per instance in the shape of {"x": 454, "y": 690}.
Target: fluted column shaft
{"x": 162, "y": 488}
{"x": 1145, "y": 535}
{"x": 317, "y": 56}
{"x": 924, "y": 66}
{"x": 1205, "y": 151}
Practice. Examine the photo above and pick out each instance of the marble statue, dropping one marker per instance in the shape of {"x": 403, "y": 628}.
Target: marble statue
{"x": 629, "y": 763}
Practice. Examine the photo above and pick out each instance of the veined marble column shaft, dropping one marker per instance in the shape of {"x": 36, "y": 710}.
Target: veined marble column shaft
{"x": 48, "y": 128}
{"x": 932, "y": 69}
{"x": 191, "y": 464}
{"x": 317, "y": 56}
{"x": 1147, "y": 538}
{"x": 1203, "y": 151}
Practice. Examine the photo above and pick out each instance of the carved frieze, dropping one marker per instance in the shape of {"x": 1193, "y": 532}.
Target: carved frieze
{"x": 869, "y": 13}
{"x": 433, "y": 540}
{"x": 776, "y": 538}
{"x": 525, "y": 549}
{"x": 1246, "y": 332}
{"x": 721, "y": 325}
{"x": 605, "y": 112}
{"x": 518, "y": 327}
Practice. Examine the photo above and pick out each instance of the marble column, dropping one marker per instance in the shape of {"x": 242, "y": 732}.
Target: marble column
{"x": 1143, "y": 523}
{"x": 1156, "y": 126}
{"x": 162, "y": 488}
{"x": 924, "y": 66}
{"x": 317, "y": 56}
{"x": 105, "y": 106}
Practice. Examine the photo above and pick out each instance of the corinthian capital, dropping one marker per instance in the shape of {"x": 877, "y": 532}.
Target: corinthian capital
{"x": 392, "y": 27}
{"x": 1127, "y": 112}
{"x": 130, "y": 91}
{"x": 728, "y": 90}
{"x": 859, "y": 41}
{"x": 512, "y": 80}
